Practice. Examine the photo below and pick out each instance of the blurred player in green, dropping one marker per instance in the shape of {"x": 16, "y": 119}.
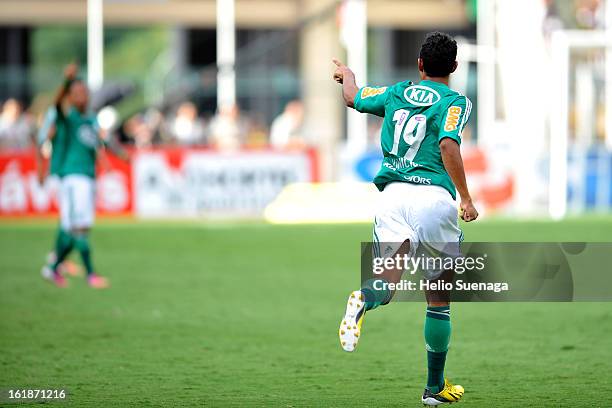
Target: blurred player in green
{"x": 51, "y": 146}
{"x": 422, "y": 171}
{"x": 77, "y": 136}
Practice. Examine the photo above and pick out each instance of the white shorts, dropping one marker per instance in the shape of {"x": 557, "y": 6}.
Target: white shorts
{"x": 77, "y": 202}
{"x": 424, "y": 215}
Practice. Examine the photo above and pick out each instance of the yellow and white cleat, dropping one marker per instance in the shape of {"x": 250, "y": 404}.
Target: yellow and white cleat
{"x": 350, "y": 326}
{"x": 449, "y": 394}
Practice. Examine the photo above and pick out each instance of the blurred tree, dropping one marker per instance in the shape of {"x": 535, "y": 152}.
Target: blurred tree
{"x": 128, "y": 55}
{"x": 127, "y": 50}
{"x": 54, "y": 46}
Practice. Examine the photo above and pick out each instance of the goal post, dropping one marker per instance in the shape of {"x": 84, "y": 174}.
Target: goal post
{"x": 562, "y": 44}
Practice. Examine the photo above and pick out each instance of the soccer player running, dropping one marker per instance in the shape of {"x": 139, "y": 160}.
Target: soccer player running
{"x": 77, "y": 135}
{"x": 421, "y": 172}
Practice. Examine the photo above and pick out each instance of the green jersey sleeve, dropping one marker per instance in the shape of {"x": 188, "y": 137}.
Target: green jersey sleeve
{"x": 372, "y": 100}
{"x": 455, "y": 118}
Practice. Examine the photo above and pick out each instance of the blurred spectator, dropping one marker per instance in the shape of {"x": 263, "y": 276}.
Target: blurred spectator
{"x": 138, "y": 132}
{"x": 154, "y": 120}
{"x": 16, "y": 127}
{"x": 257, "y": 135}
{"x": 186, "y": 128}
{"x": 590, "y": 14}
{"x": 143, "y": 129}
{"x": 285, "y": 129}
{"x": 582, "y": 14}
{"x": 227, "y": 129}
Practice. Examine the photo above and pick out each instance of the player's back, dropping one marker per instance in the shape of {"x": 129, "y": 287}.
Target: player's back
{"x": 82, "y": 142}
{"x": 416, "y": 118}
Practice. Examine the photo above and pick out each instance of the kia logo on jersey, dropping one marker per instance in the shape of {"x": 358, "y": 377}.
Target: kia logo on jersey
{"x": 420, "y": 95}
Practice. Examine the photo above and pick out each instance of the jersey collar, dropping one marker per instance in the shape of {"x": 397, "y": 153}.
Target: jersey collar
{"x": 434, "y": 83}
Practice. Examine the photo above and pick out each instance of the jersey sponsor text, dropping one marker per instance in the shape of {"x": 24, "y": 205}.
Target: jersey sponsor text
{"x": 452, "y": 118}
{"x": 420, "y": 95}
{"x": 370, "y": 91}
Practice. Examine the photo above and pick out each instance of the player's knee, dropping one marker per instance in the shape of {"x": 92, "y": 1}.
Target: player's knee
{"x": 80, "y": 232}
{"x": 438, "y": 304}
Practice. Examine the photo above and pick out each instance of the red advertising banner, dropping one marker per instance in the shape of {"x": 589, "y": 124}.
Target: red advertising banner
{"x": 21, "y": 194}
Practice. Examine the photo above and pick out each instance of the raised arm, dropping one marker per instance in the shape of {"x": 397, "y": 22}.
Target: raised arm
{"x": 453, "y": 163}
{"x": 70, "y": 73}
{"x": 343, "y": 75}
{"x": 368, "y": 99}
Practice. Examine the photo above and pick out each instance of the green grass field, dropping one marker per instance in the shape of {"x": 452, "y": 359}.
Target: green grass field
{"x": 246, "y": 315}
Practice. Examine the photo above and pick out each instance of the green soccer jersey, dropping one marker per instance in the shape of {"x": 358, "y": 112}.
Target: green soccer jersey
{"x": 82, "y": 141}
{"x": 416, "y": 119}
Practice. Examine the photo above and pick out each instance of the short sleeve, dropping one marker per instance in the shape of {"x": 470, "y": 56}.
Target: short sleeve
{"x": 48, "y": 121}
{"x": 455, "y": 118}
{"x": 372, "y": 100}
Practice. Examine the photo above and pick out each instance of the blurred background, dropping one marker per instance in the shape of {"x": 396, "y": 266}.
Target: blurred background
{"x": 229, "y": 108}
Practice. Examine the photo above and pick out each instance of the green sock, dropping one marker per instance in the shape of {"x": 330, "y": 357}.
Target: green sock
{"x": 375, "y": 296}
{"x": 437, "y": 338}
{"x": 63, "y": 245}
{"x": 81, "y": 242}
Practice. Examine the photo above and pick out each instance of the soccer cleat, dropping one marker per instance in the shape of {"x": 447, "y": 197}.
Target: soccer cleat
{"x": 55, "y": 278}
{"x": 70, "y": 268}
{"x": 67, "y": 267}
{"x": 449, "y": 394}
{"x": 97, "y": 281}
{"x": 350, "y": 326}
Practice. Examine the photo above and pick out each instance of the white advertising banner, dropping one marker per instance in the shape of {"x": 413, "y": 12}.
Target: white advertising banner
{"x": 175, "y": 183}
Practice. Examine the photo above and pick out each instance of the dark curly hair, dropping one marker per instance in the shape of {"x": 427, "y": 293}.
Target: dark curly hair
{"x": 438, "y": 52}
